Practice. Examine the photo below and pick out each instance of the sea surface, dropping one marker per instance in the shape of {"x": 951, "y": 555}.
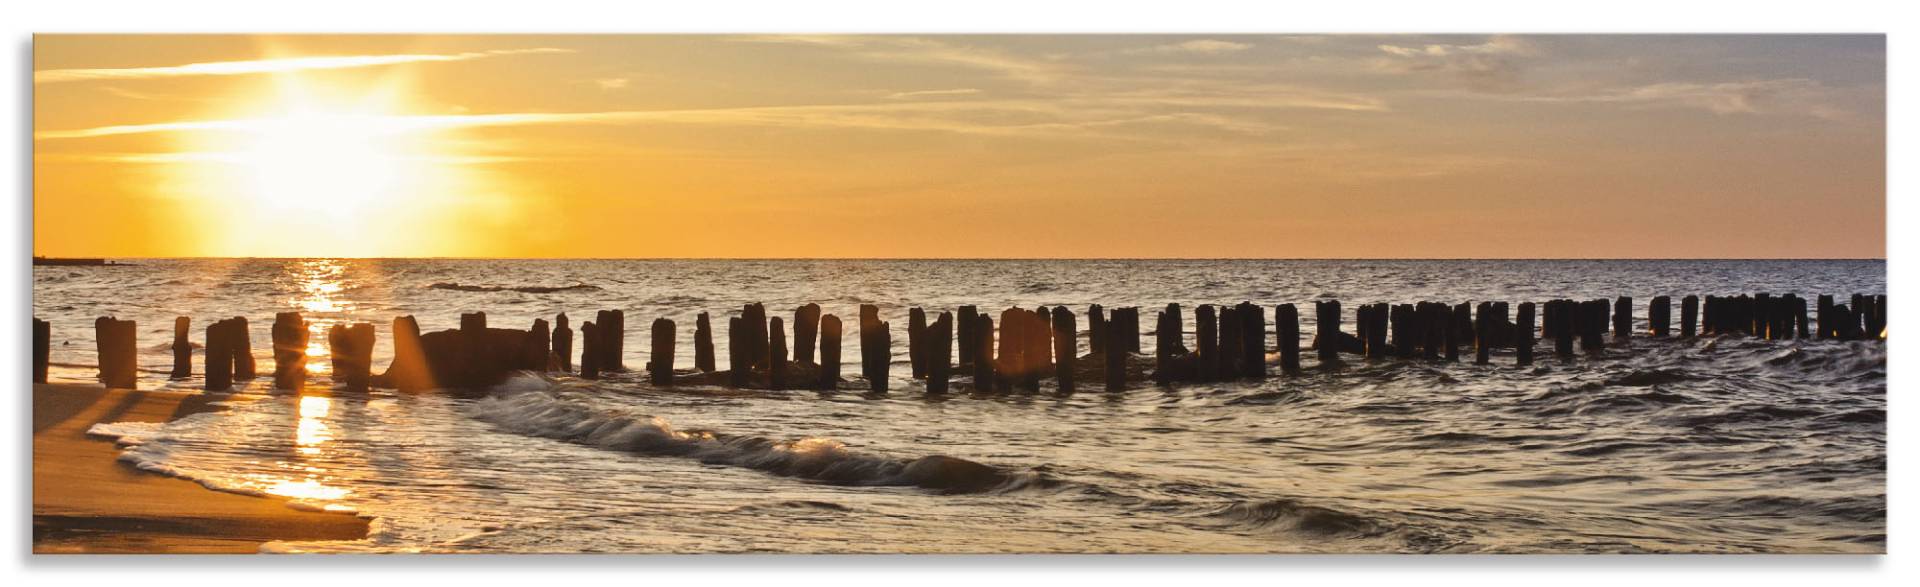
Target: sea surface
{"x": 1714, "y": 444}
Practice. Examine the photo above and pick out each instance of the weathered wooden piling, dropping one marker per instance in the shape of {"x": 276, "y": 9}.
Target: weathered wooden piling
{"x": 916, "y": 337}
{"x": 1206, "y": 337}
{"x": 1403, "y": 330}
{"x": 590, "y": 340}
{"x": 1097, "y": 328}
{"x": 1286, "y": 328}
{"x": 540, "y": 347}
{"x": 563, "y": 342}
{"x": 739, "y": 361}
{"x": 1326, "y": 339}
{"x": 703, "y": 343}
{"x": 182, "y": 349}
{"x": 1823, "y": 317}
{"x": 964, "y": 333}
{"x": 939, "y": 356}
{"x": 983, "y": 365}
{"x": 219, "y": 356}
{"x": 1622, "y": 317}
{"x": 776, "y": 353}
{"x": 830, "y": 331}
{"x": 1231, "y": 340}
{"x": 1371, "y": 323}
{"x": 1482, "y": 333}
{"x": 1523, "y": 335}
{"x": 660, "y": 363}
{"x": 1129, "y": 330}
{"x": 290, "y": 338}
{"x": 613, "y": 340}
{"x": 1167, "y": 347}
{"x": 1115, "y": 351}
{"x": 42, "y": 349}
{"x": 1066, "y": 333}
{"x": 243, "y": 366}
{"x": 806, "y": 326}
{"x": 351, "y": 350}
{"x": 876, "y": 348}
{"x": 1254, "y": 329}
{"x": 1689, "y": 313}
{"x": 1660, "y": 316}
{"x": 409, "y": 371}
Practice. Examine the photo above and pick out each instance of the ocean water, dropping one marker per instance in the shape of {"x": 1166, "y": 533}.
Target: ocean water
{"x": 1725, "y": 444}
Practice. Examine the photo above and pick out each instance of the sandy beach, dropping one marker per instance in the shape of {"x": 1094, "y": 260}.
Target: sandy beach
{"x": 85, "y": 501}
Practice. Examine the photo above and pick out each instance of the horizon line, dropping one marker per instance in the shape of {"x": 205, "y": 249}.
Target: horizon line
{"x": 512, "y": 258}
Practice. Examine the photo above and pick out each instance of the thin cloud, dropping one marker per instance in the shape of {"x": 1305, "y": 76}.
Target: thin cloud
{"x": 924, "y": 51}
{"x": 1194, "y": 47}
{"x": 612, "y": 83}
{"x": 933, "y": 93}
{"x": 259, "y": 66}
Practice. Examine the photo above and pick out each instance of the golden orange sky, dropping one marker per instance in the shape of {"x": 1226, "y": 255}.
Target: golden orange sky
{"x": 1283, "y": 146}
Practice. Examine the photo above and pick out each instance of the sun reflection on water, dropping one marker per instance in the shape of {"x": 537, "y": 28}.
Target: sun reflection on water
{"x": 319, "y": 299}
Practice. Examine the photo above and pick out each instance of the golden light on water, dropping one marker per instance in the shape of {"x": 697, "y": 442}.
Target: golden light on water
{"x": 312, "y": 430}
{"x": 320, "y": 283}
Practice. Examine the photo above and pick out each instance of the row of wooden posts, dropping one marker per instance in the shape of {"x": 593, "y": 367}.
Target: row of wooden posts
{"x": 1229, "y": 342}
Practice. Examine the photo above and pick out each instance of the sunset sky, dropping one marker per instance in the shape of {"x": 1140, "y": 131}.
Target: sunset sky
{"x": 960, "y": 146}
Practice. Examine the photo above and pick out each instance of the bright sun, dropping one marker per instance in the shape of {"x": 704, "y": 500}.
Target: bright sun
{"x": 325, "y": 163}
{"x": 326, "y": 171}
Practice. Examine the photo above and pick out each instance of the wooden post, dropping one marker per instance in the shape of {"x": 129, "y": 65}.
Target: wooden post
{"x": 1115, "y": 351}
{"x": 1823, "y": 318}
{"x": 1097, "y": 325}
{"x": 1482, "y": 332}
{"x": 660, "y": 365}
{"x": 754, "y": 318}
{"x": 562, "y": 342}
{"x": 42, "y": 349}
{"x": 289, "y": 350}
{"x": 242, "y": 345}
{"x": 1660, "y": 317}
{"x": 1166, "y": 335}
{"x": 968, "y": 319}
{"x": 351, "y": 350}
{"x": 1206, "y": 328}
{"x": 1254, "y": 348}
{"x": 916, "y": 338}
{"x": 806, "y": 326}
{"x": 589, "y": 351}
{"x": 408, "y": 371}
{"x": 540, "y": 347}
{"x": 1286, "y": 328}
{"x": 1128, "y": 319}
{"x": 182, "y": 349}
{"x": 1689, "y": 312}
{"x": 1622, "y": 317}
{"x": 829, "y": 353}
{"x": 1034, "y": 352}
{"x": 1231, "y": 340}
{"x": 939, "y": 356}
{"x": 739, "y": 361}
{"x": 777, "y": 354}
{"x": 1066, "y": 333}
{"x": 219, "y": 356}
{"x": 703, "y": 343}
{"x": 1523, "y": 335}
{"x": 983, "y": 371}
{"x": 614, "y": 342}
{"x": 876, "y": 350}
{"x": 1326, "y": 339}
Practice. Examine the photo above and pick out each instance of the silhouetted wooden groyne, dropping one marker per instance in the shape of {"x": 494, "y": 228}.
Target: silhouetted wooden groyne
{"x": 1228, "y": 342}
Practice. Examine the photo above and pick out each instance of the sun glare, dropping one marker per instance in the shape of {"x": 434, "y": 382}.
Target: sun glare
{"x": 318, "y": 170}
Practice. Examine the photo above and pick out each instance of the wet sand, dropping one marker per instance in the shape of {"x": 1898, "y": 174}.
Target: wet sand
{"x": 86, "y": 501}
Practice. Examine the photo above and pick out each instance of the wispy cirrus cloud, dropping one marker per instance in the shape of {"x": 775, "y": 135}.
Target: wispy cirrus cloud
{"x": 927, "y": 52}
{"x": 258, "y": 66}
{"x": 1193, "y": 47}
